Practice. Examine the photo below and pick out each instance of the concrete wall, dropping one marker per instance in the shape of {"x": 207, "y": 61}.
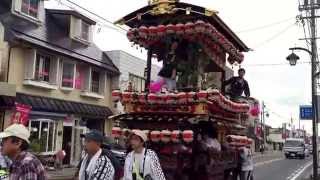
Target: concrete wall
{"x": 16, "y": 76}
{"x": 128, "y": 63}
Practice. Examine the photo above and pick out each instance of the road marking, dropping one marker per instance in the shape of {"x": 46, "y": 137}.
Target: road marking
{"x": 267, "y": 162}
{"x": 299, "y": 171}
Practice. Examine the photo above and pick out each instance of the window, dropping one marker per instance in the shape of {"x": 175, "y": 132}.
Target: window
{"x": 68, "y": 74}
{"x": 95, "y": 82}
{"x": 42, "y": 68}
{"x": 80, "y": 30}
{"x": 43, "y": 135}
{"x": 137, "y": 82}
{"x": 85, "y": 30}
{"x": 30, "y": 7}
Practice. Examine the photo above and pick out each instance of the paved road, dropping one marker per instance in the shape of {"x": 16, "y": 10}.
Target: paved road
{"x": 282, "y": 169}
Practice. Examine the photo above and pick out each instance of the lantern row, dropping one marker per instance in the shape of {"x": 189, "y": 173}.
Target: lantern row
{"x": 211, "y": 39}
{"x": 180, "y": 98}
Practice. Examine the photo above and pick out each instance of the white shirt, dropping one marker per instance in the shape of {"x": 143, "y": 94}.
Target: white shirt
{"x": 246, "y": 158}
{"x": 151, "y": 166}
{"x": 213, "y": 143}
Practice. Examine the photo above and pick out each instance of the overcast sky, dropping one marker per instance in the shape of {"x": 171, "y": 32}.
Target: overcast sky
{"x": 283, "y": 88}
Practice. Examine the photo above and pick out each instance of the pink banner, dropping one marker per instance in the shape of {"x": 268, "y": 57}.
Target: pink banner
{"x": 21, "y": 114}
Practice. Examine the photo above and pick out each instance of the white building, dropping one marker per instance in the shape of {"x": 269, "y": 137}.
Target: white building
{"x": 132, "y": 69}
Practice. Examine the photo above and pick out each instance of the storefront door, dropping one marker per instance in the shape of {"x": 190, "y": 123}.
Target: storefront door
{"x": 66, "y": 143}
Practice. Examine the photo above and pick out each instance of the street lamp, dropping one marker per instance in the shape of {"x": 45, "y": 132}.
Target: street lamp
{"x": 293, "y": 58}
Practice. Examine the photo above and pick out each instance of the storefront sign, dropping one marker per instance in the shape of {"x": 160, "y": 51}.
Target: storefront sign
{"x": 21, "y": 114}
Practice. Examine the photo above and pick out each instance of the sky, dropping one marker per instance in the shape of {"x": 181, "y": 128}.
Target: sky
{"x": 266, "y": 26}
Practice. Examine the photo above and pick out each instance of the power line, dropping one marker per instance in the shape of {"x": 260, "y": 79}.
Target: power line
{"x": 265, "y": 26}
{"x": 274, "y": 36}
{"x": 110, "y": 24}
{"x": 276, "y": 64}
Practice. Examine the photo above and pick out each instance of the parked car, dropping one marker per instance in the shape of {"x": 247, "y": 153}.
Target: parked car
{"x": 295, "y": 147}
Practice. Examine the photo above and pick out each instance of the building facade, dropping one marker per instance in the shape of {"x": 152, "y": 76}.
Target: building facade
{"x": 132, "y": 71}
{"x": 51, "y": 67}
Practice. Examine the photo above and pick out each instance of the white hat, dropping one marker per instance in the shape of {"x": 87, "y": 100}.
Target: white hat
{"x": 141, "y": 134}
{"x": 17, "y": 130}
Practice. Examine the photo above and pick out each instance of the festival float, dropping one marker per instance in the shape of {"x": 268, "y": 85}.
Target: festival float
{"x": 173, "y": 120}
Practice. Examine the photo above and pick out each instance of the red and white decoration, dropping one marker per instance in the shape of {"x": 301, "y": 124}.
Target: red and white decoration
{"x": 214, "y": 42}
{"x": 116, "y": 132}
{"x": 210, "y": 96}
{"x": 187, "y": 136}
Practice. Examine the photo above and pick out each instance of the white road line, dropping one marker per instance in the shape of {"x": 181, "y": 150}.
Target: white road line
{"x": 299, "y": 171}
{"x": 267, "y": 162}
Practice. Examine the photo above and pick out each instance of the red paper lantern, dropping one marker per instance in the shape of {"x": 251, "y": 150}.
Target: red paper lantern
{"x": 126, "y": 97}
{"x": 182, "y": 97}
{"x": 202, "y": 96}
{"x": 200, "y": 26}
{"x": 171, "y": 98}
{"x": 191, "y": 97}
{"x": 187, "y": 136}
{"x": 152, "y": 98}
{"x": 170, "y": 29}
{"x": 116, "y": 132}
{"x": 189, "y": 28}
{"x": 165, "y": 136}
{"x": 147, "y": 132}
{"x": 155, "y": 136}
{"x": 143, "y": 32}
{"x": 161, "y": 30}
{"x": 208, "y": 28}
{"x": 130, "y": 35}
{"x": 152, "y": 30}
{"x": 255, "y": 111}
{"x": 175, "y": 136}
{"x": 142, "y": 98}
{"x": 116, "y": 95}
{"x": 179, "y": 28}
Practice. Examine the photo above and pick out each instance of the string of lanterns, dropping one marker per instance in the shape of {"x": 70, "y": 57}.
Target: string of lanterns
{"x": 180, "y": 98}
{"x": 213, "y": 42}
{"x": 239, "y": 141}
{"x": 156, "y": 136}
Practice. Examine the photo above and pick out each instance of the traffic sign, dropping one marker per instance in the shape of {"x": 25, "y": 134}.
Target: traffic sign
{"x": 306, "y": 112}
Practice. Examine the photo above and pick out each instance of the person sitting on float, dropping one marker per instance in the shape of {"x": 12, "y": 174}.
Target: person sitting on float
{"x": 169, "y": 70}
{"x": 238, "y": 86}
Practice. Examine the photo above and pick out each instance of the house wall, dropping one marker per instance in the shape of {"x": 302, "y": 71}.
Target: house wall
{"x": 3, "y": 55}
{"x": 16, "y": 76}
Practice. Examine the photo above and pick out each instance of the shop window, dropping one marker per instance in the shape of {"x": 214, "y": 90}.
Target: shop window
{"x": 68, "y": 75}
{"x": 43, "y": 135}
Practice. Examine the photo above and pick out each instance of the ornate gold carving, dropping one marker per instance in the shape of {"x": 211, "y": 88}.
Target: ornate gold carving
{"x": 162, "y": 6}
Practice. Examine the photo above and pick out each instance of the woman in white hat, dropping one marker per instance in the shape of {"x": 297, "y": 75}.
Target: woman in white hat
{"x": 142, "y": 163}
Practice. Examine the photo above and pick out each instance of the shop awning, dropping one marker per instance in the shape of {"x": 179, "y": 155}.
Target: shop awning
{"x": 61, "y": 106}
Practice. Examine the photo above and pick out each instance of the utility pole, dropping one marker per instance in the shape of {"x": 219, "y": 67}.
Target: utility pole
{"x": 314, "y": 90}
{"x": 313, "y": 53}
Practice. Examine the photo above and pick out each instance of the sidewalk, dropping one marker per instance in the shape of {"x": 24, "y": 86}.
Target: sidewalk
{"x": 267, "y": 153}
{"x": 64, "y": 174}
